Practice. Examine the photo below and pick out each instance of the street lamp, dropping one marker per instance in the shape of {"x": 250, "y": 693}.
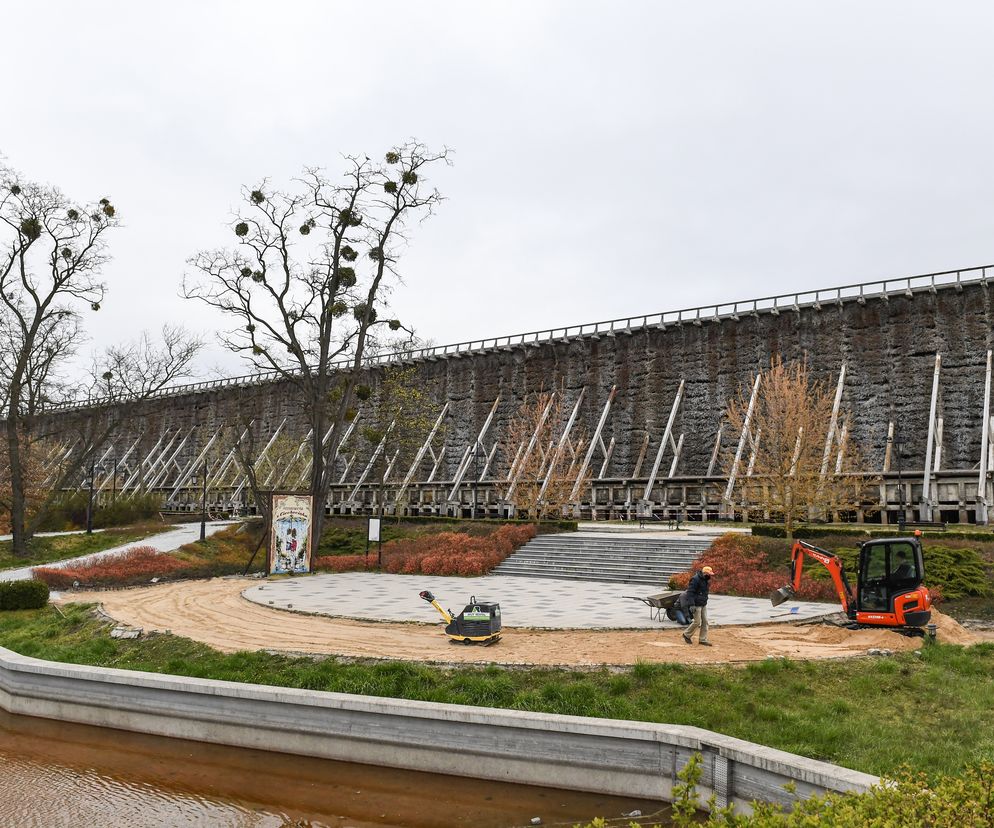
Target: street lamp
{"x": 94, "y": 469}
{"x": 897, "y": 441}
{"x": 476, "y": 475}
{"x": 203, "y": 505}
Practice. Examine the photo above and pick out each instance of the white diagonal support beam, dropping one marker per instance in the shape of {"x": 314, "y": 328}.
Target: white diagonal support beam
{"x": 983, "y": 504}
{"x": 425, "y": 446}
{"x": 560, "y": 446}
{"x": 595, "y": 441}
{"x": 192, "y": 468}
{"x": 667, "y": 436}
{"x": 926, "y": 502}
{"x": 372, "y": 460}
{"x": 120, "y": 463}
{"x": 833, "y": 422}
{"x": 716, "y": 451}
{"x": 733, "y": 472}
{"x": 148, "y": 459}
{"x": 531, "y": 445}
{"x": 677, "y": 451}
{"x": 471, "y": 452}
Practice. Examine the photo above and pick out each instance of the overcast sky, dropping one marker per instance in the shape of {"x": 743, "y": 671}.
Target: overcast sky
{"x": 611, "y": 159}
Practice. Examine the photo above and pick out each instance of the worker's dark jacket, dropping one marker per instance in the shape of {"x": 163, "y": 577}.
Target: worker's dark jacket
{"x": 698, "y": 590}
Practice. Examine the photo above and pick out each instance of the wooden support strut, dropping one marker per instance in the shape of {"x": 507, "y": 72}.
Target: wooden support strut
{"x": 120, "y": 461}
{"x": 595, "y": 440}
{"x": 471, "y": 451}
{"x": 421, "y": 453}
{"x": 262, "y": 456}
{"x": 372, "y": 460}
{"x": 192, "y": 468}
{"x": 531, "y": 446}
{"x": 983, "y": 504}
{"x": 138, "y": 471}
{"x": 667, "y": 434}
{"x": 716, "y": 450}
{"x": 730, "y": 488}
{"x": 160, "y": 475}
{"x": 560, "y": 446}
{"x": 926, "y": 501}
{"x": 833, "y": 423}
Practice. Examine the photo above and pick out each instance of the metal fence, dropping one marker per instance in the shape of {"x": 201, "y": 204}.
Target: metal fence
{"x": 774, "y": 305}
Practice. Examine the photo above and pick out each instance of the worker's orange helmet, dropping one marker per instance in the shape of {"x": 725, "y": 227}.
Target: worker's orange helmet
{"x": 708, "y": 570}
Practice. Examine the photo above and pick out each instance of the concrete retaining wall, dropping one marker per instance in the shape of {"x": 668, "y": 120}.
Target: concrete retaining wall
{"x": 597, "y": 755}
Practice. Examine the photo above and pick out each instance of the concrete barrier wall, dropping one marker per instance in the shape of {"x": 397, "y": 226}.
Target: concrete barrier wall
{"x": 598, "y": 755}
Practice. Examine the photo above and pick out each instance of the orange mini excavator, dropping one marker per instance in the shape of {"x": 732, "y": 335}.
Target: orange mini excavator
{"x": 889, "y": 591}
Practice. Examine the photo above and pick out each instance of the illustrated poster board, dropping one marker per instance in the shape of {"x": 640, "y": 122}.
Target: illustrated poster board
{"x": 290, "y": 535}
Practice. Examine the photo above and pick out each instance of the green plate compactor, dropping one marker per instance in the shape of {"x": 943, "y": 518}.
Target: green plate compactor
{"x": 478, "y": 623}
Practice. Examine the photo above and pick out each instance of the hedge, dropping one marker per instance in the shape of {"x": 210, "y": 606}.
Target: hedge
{"x": 18, "y": 595}
{"x": 542, "y": 526}
{"x": 768, "y": 530}
{"x": 908, "y": 799}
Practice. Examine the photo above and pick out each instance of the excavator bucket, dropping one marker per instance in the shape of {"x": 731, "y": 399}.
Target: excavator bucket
{"x": 778, "y": 596}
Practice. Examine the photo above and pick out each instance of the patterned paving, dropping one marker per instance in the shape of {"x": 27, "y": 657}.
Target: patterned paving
{"x": 524, "y": 602}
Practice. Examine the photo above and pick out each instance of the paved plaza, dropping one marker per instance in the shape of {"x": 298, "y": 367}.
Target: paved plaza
{"x": 524, "y": 602}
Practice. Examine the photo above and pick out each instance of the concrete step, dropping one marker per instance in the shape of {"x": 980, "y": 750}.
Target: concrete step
{"x": 675, "y": 560}
{"x": 660, "y": 578}
{"x": 577, "y": 556}
{"x": 650, "y": 582}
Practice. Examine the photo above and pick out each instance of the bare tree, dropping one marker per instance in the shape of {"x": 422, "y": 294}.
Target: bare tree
{"x": 124, "y": 375}
{"x": 543, "y": 471}
{"x": 793, "y": 464}
{"x": 308, "y": 281}
{"x": 52, "y": 252}
{"x": 136, "y": 370}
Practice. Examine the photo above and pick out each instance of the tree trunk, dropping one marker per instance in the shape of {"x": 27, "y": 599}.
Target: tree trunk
{"x": 17, "y": 498}
{"x": 319, "y": 483}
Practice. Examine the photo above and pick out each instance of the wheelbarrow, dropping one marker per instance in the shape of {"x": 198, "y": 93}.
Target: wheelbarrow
{"x": 659, "y": 604}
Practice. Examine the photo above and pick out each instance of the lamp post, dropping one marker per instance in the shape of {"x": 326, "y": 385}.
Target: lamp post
{"x": 898, "y": 443}
{"x": 476, "y": 475}
{"x": 89, "y": 501}
{"x": 203, "y": 505}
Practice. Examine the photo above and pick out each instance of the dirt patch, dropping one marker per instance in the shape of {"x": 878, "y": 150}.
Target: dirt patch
{"x": 214, "y": 613}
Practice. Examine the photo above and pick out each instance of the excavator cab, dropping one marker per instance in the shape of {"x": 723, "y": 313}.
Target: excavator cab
{"x": 889, "y": 582}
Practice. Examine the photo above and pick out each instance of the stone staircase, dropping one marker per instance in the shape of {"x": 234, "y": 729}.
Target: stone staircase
{"x": 601, "y": 557}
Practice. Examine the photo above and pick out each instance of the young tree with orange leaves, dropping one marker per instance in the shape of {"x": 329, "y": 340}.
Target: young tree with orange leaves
{"x": 544, "y": 469}
{"x": 795, "y": 459}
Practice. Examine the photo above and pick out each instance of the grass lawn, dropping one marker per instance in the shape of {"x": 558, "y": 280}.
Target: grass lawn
{"x": 60, "y": 547}
{"x": 933, "y": 712}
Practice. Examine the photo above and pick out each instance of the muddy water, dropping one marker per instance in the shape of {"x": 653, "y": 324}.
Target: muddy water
{"x": 53, "y": 774}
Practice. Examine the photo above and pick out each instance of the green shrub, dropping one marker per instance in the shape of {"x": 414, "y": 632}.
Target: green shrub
{"x": 69, "y": 511}
{"x": 18, "y": 595}
{"x": 769, "y": 530}
{"x": 957, "y": 572}
{"x": 908, "y": 799}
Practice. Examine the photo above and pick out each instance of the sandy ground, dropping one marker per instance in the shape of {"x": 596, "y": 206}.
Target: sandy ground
{"x": 215, "y": 613}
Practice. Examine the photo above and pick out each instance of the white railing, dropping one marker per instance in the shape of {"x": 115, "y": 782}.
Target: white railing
{"x": 774, "y": 305}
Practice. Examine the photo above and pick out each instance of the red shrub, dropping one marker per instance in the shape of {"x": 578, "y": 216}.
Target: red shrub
{"x": 138, "y": 565}
{"x": 444, "y": 553}
{"x": 740, "y": 568}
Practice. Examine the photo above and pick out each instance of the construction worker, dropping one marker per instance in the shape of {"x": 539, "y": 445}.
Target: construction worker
{"x": 698, "y": 589}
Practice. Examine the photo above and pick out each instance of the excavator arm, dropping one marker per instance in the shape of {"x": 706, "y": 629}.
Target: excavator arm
{"x": 827, "y": 559}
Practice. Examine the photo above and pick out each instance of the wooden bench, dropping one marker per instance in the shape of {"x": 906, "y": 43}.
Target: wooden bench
{"x": 936, "y": 525}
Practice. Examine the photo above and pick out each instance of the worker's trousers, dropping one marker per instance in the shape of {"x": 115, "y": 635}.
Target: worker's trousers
{"x": 700, "y": 622}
